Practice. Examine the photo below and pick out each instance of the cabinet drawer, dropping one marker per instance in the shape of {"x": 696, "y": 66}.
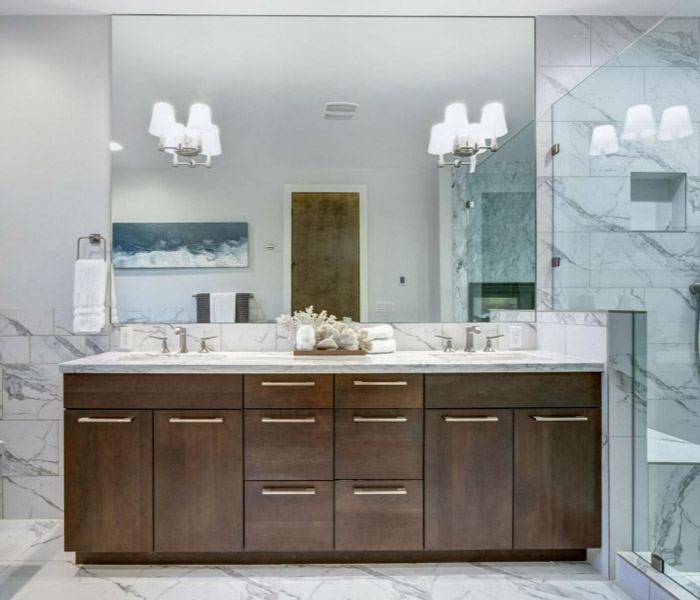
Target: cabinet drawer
{"x": 288, "y": 391}
{"x": 152, "y": 391}
{"x": 288, "y": 444}
{"x": 379, "y": 391}
{"x": 291, "y": 516}
{"x": 379, "y": 515}
{"x": 379, "y": 444}
{"x": 512, "y": 390}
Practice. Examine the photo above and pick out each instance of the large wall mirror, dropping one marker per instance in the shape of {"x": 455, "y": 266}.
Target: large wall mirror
{"x": 338, "y": 206}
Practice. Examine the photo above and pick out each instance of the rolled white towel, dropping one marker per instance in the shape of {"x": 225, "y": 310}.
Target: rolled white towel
{"x": 378, "y": 332}
{"x": 380, "y": 347}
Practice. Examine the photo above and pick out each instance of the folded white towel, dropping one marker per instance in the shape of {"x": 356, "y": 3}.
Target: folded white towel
{"x": 379, "y": 346}
{"x": 222, "y": 307}
{"x": 89, "y": 291}
{"x": 378, "y": 332}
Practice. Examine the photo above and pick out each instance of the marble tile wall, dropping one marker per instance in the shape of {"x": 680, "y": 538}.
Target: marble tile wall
{"x": 604, "y": 264}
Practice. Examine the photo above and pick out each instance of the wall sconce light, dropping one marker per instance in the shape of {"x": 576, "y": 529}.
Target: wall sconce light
{"x": 640, "y": 126}
{"x": 199, "y": 138}
{"x": 456, "y": 136}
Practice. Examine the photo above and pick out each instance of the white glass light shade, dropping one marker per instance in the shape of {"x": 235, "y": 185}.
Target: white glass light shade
{"x": 639, "y": 123}
{"x": 200, "y": 117}
{"x": 493, "y": 120}
{"x": 440, "y": 140}
{"x": 162, "y": 119}
{"x": 473, "y": 135}
{"x": 675, "y": 123}
{"x": 604, "y": 141}
{"x": 211, "y": 142}
{"x": 456, "y": 119}
{"x": 174, "y": 137}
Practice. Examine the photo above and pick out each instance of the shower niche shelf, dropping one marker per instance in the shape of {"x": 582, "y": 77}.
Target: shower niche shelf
{"x": 657, "y": 202}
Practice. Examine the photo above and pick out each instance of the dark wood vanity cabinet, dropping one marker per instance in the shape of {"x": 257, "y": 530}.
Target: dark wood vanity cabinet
{"x": 356, "y": 466}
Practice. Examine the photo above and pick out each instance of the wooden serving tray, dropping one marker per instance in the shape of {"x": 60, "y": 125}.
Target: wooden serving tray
{"x": 329, "y": 353}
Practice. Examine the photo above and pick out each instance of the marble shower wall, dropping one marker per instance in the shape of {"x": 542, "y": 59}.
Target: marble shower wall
{"x": 607, "y": 265}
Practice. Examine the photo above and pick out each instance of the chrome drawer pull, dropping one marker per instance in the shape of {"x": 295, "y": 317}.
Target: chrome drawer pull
{"x": 196, "y": 420}
{"x": 573, "y": 418}
{"x": 387, "y": 491}
{"x": 357, "y": 382}
{"x": 105, "y": 419}
{"x": 288, "y": 420}
{"x": 288, "y": 383}
{"x": 289, "y": 491}
{"x": 380, "y": 419}
{"x": 470, "y": 419}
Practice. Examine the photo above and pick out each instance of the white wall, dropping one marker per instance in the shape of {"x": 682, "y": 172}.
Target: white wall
{"x": 54, "y": 171}
{"x": 402, "y": 237}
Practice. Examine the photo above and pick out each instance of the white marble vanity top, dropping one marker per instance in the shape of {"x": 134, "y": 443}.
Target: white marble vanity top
{"x": 286, "y": 362}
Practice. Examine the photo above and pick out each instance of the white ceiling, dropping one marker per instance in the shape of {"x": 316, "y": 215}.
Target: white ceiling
{"x": 267, "y": 80}
{"x": 335, "y": 7}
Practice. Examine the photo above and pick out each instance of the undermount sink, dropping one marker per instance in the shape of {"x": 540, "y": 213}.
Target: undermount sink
{"x": 479, "y": 356}
{"x": 174, "y": 356}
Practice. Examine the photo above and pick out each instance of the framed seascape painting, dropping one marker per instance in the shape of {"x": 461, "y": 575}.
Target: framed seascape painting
{"x": 179, "y": 245}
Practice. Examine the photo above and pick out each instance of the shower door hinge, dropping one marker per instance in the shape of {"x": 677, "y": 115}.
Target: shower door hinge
{"x": 657, "y": 563}
{"x": 556, "y": 261}
{"x": 555, "y": 149}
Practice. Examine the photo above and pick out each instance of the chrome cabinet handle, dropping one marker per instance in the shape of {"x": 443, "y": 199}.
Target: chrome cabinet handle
{"x": 572, "y": 418}
{"x": 380, "y": 491}
{"x": 380, "y": 419}
{"x": 470, "y": 419}
{"x": 196, "y": 420}
{"x": 358, "y": 382}
{"x": 288, "y": 383}
{"x": 288, "y": 419}
{"x": 279, "y": 491}
{"x": 105, "y": 419}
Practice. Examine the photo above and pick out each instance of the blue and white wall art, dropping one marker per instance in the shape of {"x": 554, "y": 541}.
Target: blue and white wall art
{"x": 179, "y": 245}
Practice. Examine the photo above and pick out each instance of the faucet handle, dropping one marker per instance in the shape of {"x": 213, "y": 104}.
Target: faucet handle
{"x": 448, "y": 343}
{"x": 489, "y": 345}
{"x": 164, "y": 343}
{"x": 203, "y": 349}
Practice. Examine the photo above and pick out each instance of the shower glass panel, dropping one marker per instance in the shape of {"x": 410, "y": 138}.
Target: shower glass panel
{"x": 626, "y": 233}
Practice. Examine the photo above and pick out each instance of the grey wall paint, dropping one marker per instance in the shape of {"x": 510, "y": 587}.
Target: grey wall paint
{"x": 54, "y": 182}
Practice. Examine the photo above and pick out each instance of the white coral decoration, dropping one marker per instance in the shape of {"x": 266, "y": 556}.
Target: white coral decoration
{"x": 290, "y": 323}
{"x": 319, "y": 330}
{"x": 305, "y": 338}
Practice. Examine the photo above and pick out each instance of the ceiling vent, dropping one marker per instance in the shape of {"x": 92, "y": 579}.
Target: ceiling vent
{"x": 340, "y": 111}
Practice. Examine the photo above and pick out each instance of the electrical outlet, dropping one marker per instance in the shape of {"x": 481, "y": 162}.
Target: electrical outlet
{"x": 515, "y": 337}
{"x": 126, "y": 338}
{"x": 384, "y": 307}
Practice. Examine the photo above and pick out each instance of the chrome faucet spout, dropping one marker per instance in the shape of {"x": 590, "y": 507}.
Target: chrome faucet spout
{"x": 471, "y": 330}
{"x": 182, "y": 332}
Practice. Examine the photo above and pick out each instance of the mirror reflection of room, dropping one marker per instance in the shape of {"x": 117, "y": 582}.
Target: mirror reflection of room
{"x": 254, "y": 182}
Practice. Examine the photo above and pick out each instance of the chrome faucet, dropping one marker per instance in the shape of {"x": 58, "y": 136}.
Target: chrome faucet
{"x": 471, "y": 330}
{"x": 182, "y": 332}
{"x": 448, "y": 343}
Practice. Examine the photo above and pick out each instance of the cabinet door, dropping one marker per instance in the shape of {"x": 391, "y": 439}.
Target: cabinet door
{"x": 468, "y": 479}
{"x": 109, "y": 480}
{"x": 557, "y": 478}
{"x": 198, "y": 481}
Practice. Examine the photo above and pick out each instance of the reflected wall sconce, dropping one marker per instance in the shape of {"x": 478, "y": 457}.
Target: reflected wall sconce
{"x": 640, "y": 126}
{"x": 199, "y": 138}
{"x": 457, "y": 136}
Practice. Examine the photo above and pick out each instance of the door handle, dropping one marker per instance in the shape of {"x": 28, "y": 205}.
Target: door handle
{"x": 196, "y": 420}
{"x": 380, "y": 419}
{"x": 470, "y": 419}
{"x": 288, "y": 419}
{"x": 105, "y": 419}
{"x": 289, "y": 491}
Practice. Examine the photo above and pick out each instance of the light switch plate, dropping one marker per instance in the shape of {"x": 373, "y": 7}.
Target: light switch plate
{"x": 126, "y": 338}
{"x": 515, "y": 337}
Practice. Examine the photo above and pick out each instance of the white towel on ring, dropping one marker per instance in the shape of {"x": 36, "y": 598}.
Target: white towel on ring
{"x": 89, "y": 291}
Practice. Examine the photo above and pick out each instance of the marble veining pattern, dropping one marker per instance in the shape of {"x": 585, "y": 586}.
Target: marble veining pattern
{"x": 33, "y": 565}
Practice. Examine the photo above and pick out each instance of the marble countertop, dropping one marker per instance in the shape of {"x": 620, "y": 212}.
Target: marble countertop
{"x": 286, "y": 362}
